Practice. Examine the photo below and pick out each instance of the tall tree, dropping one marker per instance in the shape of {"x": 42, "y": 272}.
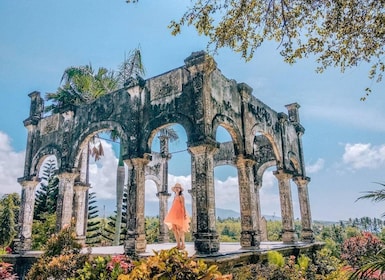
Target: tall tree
{"x": 46, "y": 196}
{"x": 93, "y": 222}
{"x": 9, "y": 206}
{"x": 338, "y": 33}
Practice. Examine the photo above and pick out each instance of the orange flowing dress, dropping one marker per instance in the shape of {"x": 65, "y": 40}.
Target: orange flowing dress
{"x": 178, "y": 215}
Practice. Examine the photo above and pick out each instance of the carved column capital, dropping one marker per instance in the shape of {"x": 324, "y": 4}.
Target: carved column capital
{"x": 68, "y": 176}
{"x": 282, "y": 175}
{"x": 301, "y": 181}
{"x": 163, "y": 194}
{"x": 246, "y": 161}
{"x": 203, "y": 149}
{"x": 29, "y": 183}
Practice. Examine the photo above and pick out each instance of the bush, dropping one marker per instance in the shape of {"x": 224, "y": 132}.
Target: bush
{"x": 6, "y": 271}
{"x": 61, "y": 258}
{"x": 355, "y": 249}
{"x": 173, "y": 264}
{"x": 105, "y": 268}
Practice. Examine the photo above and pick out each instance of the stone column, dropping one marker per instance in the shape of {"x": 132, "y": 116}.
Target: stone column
{"x": 193, "y": 222}
{"x": 206, "y": 238}
{"x": 307, "y": 234}
{"x": 250, "y": 236}
{"x": 24, "y": 240}
{"x": 258, "y": 214}
{"x": 80, "y": 210}
{"x": 65, "y": 199}
{"x": 163, "y": 236}
{"x": 136, "y": 235}
{"x": 164, "y": 195}
{"x": 288, "y": 235}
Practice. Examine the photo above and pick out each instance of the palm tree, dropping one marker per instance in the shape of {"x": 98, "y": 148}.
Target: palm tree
{"x": 81, "y": 85}
{"x": 373, "y": 264}
{"x": 375, "y": 196}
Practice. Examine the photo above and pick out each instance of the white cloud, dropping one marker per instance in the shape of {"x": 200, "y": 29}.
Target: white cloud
{"x": 358, "y": 156}
{"x": 103, "y": 173}
{"x": 11, "y": 166}
{"x": 315, "y": 167}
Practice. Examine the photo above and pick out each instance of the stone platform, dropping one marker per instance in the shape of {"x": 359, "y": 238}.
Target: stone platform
{"x": 230, "y": 254}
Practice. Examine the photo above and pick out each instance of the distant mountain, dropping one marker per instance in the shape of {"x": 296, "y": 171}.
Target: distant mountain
{"x": 107, "y": 208}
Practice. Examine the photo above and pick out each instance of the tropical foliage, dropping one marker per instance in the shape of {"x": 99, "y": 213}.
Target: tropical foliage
{"x": 81, "y": 85}
{"x": 6, "y": 271}
{"x": 341, "y": 34}
{"x": 9, "y": 211}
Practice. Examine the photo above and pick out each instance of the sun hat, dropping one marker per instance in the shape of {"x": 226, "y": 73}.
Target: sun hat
{"x": 177, "y": 185}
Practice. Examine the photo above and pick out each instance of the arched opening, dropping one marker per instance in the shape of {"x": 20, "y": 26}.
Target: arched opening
{"x": 271, "y": 221}
{"x": 46, "y": 195}
{"x": 227, "y": 206}
{"x": 171, "y": 163}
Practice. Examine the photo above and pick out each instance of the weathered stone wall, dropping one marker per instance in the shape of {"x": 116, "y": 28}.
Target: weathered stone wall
{"x": 200, "y": 98}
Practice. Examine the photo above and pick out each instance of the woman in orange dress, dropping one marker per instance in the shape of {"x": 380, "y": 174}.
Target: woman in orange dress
{"x": 177, "y": 219}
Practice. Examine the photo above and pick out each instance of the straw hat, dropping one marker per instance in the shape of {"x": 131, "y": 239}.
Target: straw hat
{"x": 177, "y": 185}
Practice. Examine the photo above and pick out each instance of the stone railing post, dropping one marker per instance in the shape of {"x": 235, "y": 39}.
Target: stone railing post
{"x": 206, "y": 238}
{"x": 136, "y": 235}
{"x": 80, "y": 211}
{"x": 24, "y": 238}
{"x": 65, "y": 199}
{"x": 250, "y": 234}
{"x": 307, "y": 234}
{"x": 288, "y": 234}
{"x": 163, "y": 236}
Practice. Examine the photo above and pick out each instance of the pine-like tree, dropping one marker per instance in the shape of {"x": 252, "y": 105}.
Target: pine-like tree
{"x": 110, "y": 227}
{"x": 94, "y": 234}
{"x": 47, "y": 195}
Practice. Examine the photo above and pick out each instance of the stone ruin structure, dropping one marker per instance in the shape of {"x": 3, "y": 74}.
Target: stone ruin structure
{"x": 198, "y": 97}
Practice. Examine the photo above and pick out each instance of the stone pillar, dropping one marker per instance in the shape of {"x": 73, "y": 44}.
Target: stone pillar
{"x": 164, "y": 195}
{"x": 288, "y": 234}
{"x": 206, "y": 238}
{"x": 65, "y": 199}
{"x": 258, "y": 214}
{"x": 193, "y": 222}
{"x": 250, "y": 235}
{"x": 80, "y": 210}
{"x": 263, "y": 227}
{"x": 24, "y": 239}
{"x": 307, "y": 234}
{"x": 136, "y": 235}
{"x": 163, "y": 236}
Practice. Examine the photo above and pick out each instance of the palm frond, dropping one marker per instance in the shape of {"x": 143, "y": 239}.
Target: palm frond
{"x": 375, "y": 196}
{"x": 374, "y": 265}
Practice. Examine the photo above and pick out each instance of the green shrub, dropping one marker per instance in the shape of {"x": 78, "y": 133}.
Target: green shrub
{"x": 61, "y": 258}
{"x": 173, "y": 264}
{"x": 275, "y": 258}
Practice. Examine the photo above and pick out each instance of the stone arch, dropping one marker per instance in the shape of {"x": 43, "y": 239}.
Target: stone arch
{"x": 262, "y": 168}
{"x": 42, "y": 154}
{"x": 92, "y": 130}
{"x": 152, "y": 127}
{"x": 155, "y": 179}
{"x": 294, "y": 162}
{"x": 270, "y": 138}
{"x": 232, "y": 128}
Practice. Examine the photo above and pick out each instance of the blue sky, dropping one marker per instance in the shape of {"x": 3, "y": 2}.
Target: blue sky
{"x": 344, "y": 142}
